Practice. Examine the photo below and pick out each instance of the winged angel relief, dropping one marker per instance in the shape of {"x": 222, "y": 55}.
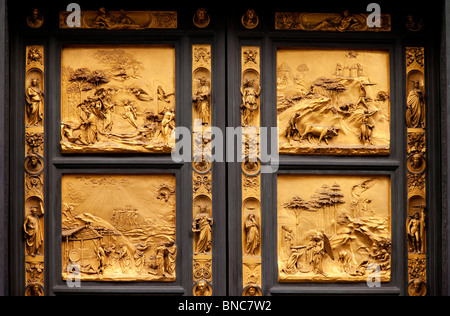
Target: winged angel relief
{"x": 333, "y": 102}
{"x": 119, "y": 227}
{"x": 117, "y": 99}
{"x": 340, "y": 234}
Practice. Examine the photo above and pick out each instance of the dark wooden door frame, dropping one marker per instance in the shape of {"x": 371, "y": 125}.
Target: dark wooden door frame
{"x": 4, "y": 148}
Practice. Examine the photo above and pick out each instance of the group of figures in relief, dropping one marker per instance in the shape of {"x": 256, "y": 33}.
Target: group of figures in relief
{"x": 344, "y": 111}
{"x": 120, "y": 106}
{"x": 112, "y": 229}
{"x": 334, "y": 237}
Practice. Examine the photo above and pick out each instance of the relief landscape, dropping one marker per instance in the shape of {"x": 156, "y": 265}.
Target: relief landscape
{"x": 117, "y": 99}
{"x": 119, "y": 227}
{"x": 334, "y": 228}
{"x": 333, "y": 102}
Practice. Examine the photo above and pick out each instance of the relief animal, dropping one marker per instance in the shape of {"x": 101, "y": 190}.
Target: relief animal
{"x": 322, "y": 132}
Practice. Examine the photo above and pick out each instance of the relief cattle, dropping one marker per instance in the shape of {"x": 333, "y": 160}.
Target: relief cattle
{"x": 322, "y": 132}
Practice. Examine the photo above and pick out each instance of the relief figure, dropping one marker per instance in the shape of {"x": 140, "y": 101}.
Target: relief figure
{"x": 34, "y": 100}
{"x": 252, "y": 235}
{"x": 34, "y": 233}
{"x": 416, "y": 233}
{"x": 250, "y": 96}
{"x": 415, "y": 113}
{"x": 202, "y": 226}
{"x": 202, "y": 101}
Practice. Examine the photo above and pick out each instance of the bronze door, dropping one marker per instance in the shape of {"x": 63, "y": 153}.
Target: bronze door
{"x": 208, "y": 151}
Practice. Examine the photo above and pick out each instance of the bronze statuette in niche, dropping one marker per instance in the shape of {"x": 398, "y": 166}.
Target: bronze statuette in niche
{"x": 117, "y": 99}
{"x": 119, "y": 227}
{"x": 333, "y": 102}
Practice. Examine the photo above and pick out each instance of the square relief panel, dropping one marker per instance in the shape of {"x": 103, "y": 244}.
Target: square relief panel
{"x": 333, "y": 101}
{"x": 119, "y": 227}
{"x": 117, "y": 99}
{"x": 334, "y": 228}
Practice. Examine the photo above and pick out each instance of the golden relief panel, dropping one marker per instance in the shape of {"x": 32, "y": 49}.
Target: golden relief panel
{"x": 330, "y": 22}
{"x": 333, "y": 101}
{"x": 119, "y": 227}
{"x": 120, "y": 20}
{"x": 334, "y": 228}
{"x": 117, "y": 99}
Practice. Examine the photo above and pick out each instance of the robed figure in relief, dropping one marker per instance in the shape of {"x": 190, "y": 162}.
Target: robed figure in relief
{"x": 415, "y": 114}
{"x": 202, "y": 225}
{"x": 252, "y": 229}
{"x": 34, "y": 234}
{"x": 34, "y": 98}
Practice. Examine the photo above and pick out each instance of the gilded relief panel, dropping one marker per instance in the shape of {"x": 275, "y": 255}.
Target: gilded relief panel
{"x": 119, "y": 227}
{"x": 330, "y": 22}
{"x": 333, "y": 102}
{"x": 103, "y": 19}
{"x": 117, "y": 99}
{"x": 334, "y": 228}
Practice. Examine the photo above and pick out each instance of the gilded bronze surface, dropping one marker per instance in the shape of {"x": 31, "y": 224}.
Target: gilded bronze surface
{"x": 119, "y": 227}
{"x": 329, "y": 22}
{"x": 34, "y": 165}
{"x": 251, "y": 168}
{"x": 122, "y": 20}
{"x": 333, "y": 228}
{"x": 117, "y": 99}
{"x": 202, "y": 108}
{"x": 416, "y": 164}
{"x": 333, "y": 102}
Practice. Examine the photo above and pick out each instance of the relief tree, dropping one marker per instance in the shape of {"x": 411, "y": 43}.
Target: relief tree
{"x": 297, "y": 205}
{"x": 336, "y": 198}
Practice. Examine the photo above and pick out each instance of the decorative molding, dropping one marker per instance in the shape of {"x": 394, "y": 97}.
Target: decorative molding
{"x": 416, "y": 163}
{"x": 250, "y": 175}
{"x": 329, "y": 22}
{"x": 122, "y": 20}
{"x": 34, "y": 165}
{"x": 201, "y": 18}
{"x": 203, "y": 224}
